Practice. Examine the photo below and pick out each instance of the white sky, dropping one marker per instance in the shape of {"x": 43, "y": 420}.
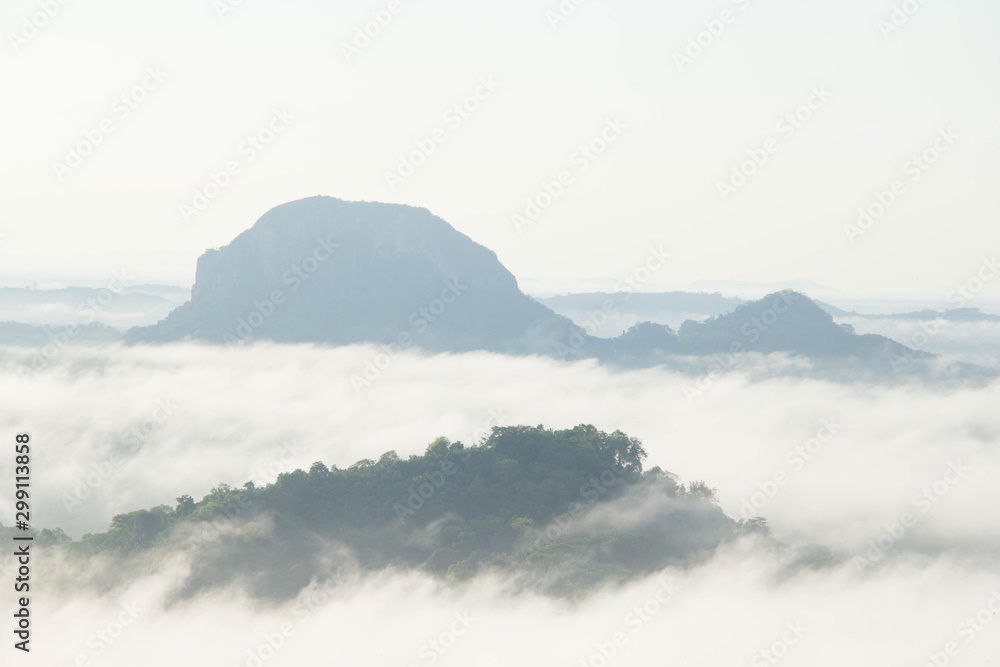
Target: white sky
{"x": 655, "y": 186}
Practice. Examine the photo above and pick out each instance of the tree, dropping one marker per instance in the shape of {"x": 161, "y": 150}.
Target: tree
{"x": 628, "y": 451}
{"x": 185, "y": 505}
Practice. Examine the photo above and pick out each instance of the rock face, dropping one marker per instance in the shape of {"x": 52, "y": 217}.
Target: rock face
{"x": 322, "y": 270}
{"x": 328, "y": 271}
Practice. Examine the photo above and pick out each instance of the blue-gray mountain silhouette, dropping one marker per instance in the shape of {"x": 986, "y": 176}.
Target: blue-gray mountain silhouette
{"x": 323, "y": 270}
{"x": 329, "y": 271}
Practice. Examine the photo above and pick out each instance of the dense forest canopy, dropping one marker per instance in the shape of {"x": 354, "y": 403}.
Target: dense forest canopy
{"x": 562, "y": 504}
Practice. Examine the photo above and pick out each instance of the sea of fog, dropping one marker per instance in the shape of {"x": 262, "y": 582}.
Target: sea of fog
{"x": 897, "y": 480}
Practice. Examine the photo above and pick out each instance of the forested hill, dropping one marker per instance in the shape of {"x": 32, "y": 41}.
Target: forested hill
{"x": 569, "y": 508}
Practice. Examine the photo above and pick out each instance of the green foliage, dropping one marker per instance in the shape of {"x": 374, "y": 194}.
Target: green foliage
{"x": 505, "y": 503}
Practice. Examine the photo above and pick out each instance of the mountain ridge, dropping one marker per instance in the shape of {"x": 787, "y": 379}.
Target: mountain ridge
{"x": 323, "y": 270}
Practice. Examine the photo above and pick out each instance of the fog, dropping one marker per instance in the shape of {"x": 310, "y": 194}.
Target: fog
{"x": 971, "y": 342}
{"x": 725, "y": 612}
{"x": 833, "y": 464}
{"x": 180, "y": 419}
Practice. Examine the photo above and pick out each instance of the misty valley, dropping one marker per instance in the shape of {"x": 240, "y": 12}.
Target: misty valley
{"x": 356, "y": 416}
{"x": 452, "y": 334}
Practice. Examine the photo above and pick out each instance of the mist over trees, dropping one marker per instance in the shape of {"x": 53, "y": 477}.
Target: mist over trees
{"x": 567, "y": 509}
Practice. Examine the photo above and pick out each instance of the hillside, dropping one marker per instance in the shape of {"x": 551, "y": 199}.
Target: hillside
{"x": 565, "y": 509}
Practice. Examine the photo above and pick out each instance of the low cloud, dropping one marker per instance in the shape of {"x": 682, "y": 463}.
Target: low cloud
{"x": 235, "y": 411}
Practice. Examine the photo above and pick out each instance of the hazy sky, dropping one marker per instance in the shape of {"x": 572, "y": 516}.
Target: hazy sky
{"x": 610, "y": 67}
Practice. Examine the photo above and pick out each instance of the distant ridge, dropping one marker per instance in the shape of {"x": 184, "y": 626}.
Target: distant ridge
{"x": 323, "y": 270}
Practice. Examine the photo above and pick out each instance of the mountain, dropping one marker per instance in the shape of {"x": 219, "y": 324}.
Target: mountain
{"x": 120, "y": 305}
{"x": 647, "y": 302}
{"x": 786, "y": 322}
{"x": 329, "y": 271}
{"x": 568, "y": 510}
{"x": 746, "y": 288}
{"x": 30, "y": 335}
{"x": 926, "y": 315}
{"x": 833, "y": 310}
{"x": 628, "y": 308}
{"x": 323, "y": 270}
